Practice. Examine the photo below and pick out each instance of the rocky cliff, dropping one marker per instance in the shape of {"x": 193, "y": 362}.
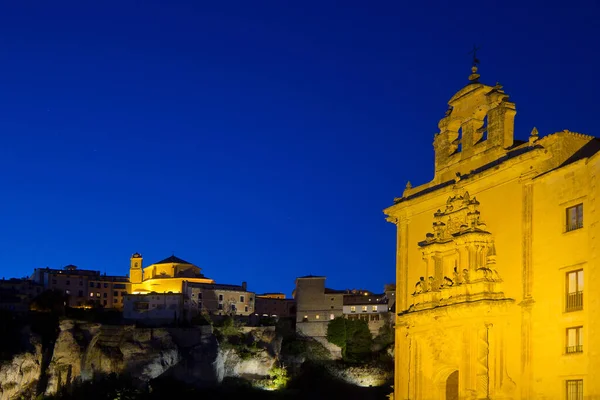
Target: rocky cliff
{"x": 21, "y": 374}
{"x": 84, "y": 351}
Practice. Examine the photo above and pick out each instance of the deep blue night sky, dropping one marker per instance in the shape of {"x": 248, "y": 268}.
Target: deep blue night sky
{"x": 258, "y": 140}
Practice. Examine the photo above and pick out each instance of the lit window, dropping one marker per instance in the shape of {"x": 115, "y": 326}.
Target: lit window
{"x": 574, "y": 300}
{"x": 305, "y": 319}
{"x": 91, "y": 294}
{"x": 67, "y": 291}
{"x": 98, "y": 294}
{"x": 364, "y": 308}
{"x": 331, "y": 316}
{"x": 352, "y": 309}
{"x": 574, "y": 217}
{"x": 374, "y": 308}
{"x": 575, "y": 389}
{"x": 574, "y": 340}
{"x": 317, "y": 316}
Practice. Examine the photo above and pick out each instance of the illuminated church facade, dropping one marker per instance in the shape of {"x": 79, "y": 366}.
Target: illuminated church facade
{"x": 492, "y": 258}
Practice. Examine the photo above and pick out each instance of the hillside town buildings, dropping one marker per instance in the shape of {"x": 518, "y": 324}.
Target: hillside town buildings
{"x": 316, "y": 305}
{"x": 492, "y": 258}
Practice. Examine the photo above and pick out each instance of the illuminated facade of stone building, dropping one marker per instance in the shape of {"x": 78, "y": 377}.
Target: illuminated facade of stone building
{"x": 493, "y": 255}
{"x": 165, "y": 276}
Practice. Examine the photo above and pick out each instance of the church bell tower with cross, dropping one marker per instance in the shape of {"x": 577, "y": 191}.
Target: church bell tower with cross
{"x": 478, "y": 127}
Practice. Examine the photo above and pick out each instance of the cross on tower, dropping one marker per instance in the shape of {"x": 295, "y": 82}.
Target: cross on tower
{"x": 474, "y": 52}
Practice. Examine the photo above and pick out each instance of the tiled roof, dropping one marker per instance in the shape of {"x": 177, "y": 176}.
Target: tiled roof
{"x": 173, "y": 260}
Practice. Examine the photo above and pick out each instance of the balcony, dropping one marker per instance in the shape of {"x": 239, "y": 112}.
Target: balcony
{"x": 574, "y": 301}
{"x": 574, "y": 349}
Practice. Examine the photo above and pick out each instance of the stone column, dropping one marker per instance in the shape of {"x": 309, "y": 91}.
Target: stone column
{"x": 527, "y": 302}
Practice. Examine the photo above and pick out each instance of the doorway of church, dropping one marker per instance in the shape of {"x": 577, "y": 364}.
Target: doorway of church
{"x": 452, "y": 386}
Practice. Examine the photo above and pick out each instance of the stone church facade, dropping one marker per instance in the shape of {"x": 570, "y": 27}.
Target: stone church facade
{"x": 492, "y": 258}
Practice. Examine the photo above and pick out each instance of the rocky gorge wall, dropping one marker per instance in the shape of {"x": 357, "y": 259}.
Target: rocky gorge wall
{"x": 84, "y": 351}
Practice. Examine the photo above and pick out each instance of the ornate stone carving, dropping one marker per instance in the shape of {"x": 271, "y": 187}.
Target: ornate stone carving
{"x": 459, "y": 257}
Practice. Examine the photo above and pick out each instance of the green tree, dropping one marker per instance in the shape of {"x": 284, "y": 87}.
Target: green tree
{"x": 337, "y": 333}
{"x": 358, "y": 340}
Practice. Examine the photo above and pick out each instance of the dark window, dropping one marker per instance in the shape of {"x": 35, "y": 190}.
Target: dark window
{"x": 123, "y": 293}
{"x": 220, "y": 297}
{"x": 575, "y": 389}
{"x": 115, "y": 294}
{"x": 54, "y": 281}
{"x": 91, "y": 284}
{"x": 220, "y": 307}
{"x": 98, "y": 285}
{"x": 105, "y": 295}
{"x": 80, "y": 282}
{"x": 242, "y": 299}
{"x": 119, "y": 286}
{"x": 105, "y": 285}
{"x": 104, "y": 302}
{"x": 246, "y": 309}
{"x": 574, "y": 217}
{"x": 68, "y": 282}
{"x": 574, "y": 300}
{"x": 81, "y": 293}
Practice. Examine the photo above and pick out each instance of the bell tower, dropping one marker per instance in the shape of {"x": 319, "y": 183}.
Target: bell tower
{"x": 478, "y": 128}
{"x": 135, "y": 269}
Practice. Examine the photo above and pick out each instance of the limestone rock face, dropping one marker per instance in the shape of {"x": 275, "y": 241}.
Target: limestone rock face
{"x": 362, "y": 375}
{"x": 257, "y": 366}
{"x": 22, "y": 372}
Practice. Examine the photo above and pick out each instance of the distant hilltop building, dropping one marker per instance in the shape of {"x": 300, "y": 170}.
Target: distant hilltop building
{"x": 164, "y": 276}
{"x": 84, "y": 287}
{"x": 493, "y": 255}
{"x": 316, "y": 305}
{"x": 174, "y": 289}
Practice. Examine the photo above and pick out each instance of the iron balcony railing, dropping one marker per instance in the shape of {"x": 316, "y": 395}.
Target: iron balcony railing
{"x": 574, "y": 349}
{"x": 574, "y": 301}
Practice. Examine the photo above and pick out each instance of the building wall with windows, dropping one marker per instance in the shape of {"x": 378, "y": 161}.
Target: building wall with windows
{"x": 84, "y": 287}
{"x": 155, "y": 308}
{"x": 17, "y": 294}
{"x": 316, "y": 305}
{"x": 219, "y": 299}
{"x": 278, "y": 307}
{"x": 493, "y": 258}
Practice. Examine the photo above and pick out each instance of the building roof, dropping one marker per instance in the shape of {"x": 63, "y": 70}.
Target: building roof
{"x": 310, "y": 276}
{"x": 173, "y": 260}
{"x": 218, "y": 286}
{"x": 358, "y": 299}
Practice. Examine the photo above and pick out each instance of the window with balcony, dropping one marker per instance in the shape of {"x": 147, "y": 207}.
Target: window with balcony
{"x": 352, "y": 309}
{"x": 575, "y": 389}
{"x": 374, "y": 308}
{"x": 574, "y": 300}
{"x": 574, "y": 340}
{"x": 574, "y": 217}
{"x": 364, "y": 308}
